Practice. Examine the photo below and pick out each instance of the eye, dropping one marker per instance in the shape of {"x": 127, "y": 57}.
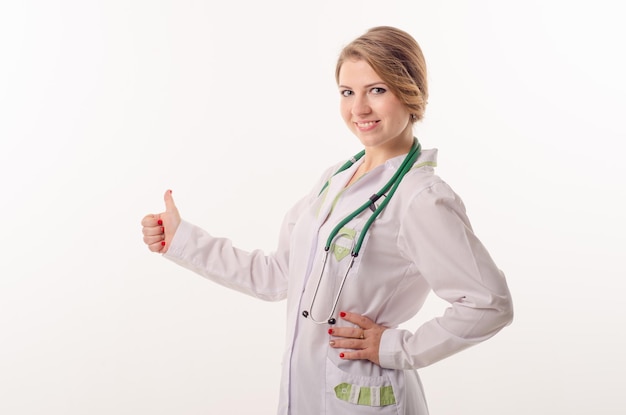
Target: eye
{"x": 346, "y": 93}
{"x": 378, "y": 90}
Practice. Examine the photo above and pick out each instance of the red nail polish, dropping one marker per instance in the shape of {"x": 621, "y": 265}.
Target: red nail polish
{"x": 342, "y": 355}
{"x": 162, "y": 243}
{"x": 330, "y": 331}
{"x": 342, "y": 314}
{"x": 160, "y": 222}
{"x": 162, "y": 229}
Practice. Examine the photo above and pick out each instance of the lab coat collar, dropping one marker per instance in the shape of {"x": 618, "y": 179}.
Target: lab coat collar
{"x": 426, "y": 157}
{"x": 338, "y": 182}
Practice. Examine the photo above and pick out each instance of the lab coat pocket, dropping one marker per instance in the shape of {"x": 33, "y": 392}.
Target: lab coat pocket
{"x": 342, "y": 247}
{"x": 347, "y": 393}
{"x": 343, "y": 244}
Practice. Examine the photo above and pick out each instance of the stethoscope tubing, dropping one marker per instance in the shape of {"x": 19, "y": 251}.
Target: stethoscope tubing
{"x": 393, "y": 183}
{"x": 329, "y": 319}
{"x": 390, "y": 186}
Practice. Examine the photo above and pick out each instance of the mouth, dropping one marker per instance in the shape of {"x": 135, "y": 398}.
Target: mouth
{"x": 366, "y": 125}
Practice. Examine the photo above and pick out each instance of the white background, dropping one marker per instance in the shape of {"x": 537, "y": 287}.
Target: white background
{"x": 106, "y": 104}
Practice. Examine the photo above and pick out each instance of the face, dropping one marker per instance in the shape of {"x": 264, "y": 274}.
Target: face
{"x": 370, "y": 110}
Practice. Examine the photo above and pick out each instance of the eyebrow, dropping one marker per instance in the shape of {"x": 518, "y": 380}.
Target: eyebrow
{"x": 365, "y": 86}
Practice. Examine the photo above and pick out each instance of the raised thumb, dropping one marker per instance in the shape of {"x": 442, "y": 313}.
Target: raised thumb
{"x": 169, "y": 202}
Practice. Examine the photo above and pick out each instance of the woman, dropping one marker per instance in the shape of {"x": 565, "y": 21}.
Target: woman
{"x": 359, "y": 254}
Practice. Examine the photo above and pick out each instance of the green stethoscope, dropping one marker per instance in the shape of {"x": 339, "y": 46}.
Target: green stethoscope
{"x": 390, "y": 186}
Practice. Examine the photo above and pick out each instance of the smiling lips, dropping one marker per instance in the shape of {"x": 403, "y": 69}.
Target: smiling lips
{"x": 366, "y": 126}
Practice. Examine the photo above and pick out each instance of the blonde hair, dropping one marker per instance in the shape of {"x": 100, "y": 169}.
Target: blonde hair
{"x": 397, "y": 58}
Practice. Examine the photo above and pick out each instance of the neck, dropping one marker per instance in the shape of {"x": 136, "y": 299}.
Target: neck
{"x": 375, "y": 156}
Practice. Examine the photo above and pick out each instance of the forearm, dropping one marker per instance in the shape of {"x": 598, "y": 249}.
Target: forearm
{"x": 252, "y": 273}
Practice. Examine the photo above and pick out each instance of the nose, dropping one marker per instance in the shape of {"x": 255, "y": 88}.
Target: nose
{"x": 360, "y": 105}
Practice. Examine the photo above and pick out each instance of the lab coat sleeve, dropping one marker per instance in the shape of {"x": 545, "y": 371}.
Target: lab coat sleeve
{"x": 438, "y": 238}
{"x": 250, "y": 272}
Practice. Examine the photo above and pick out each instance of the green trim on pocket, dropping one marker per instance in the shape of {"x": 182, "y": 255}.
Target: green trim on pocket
{"x": 342, "y": 391}
{"x": 340, "y": 252}
{"x": 365, "y": 395}
{"x": 386, "y": 396}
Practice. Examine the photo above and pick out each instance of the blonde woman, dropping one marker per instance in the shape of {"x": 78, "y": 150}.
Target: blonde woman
{"x": 359, "y": 254}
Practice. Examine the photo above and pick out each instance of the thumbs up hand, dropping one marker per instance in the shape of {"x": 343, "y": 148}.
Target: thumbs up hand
{"x": 159, "y": 229}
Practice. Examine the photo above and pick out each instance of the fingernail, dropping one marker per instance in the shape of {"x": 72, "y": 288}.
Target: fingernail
{"x": 342, "y": 355}
{"x": 162, "y": 229}
{"x": 330, "y": 331}
{"x": 332, "y": 342}
{"x": 342, "y": 314}
{"x": 162, "y": 243}
{"x": 170, "y": 192}
{"x": 160, "y": 222}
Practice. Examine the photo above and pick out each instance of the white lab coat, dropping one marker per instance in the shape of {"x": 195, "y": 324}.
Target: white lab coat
{"x": 422, "y": 241}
